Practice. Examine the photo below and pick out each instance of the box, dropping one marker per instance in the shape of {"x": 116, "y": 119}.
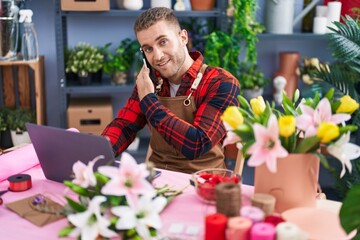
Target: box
{"x": 89, "y": 115}
{"x": 85, "y": 5}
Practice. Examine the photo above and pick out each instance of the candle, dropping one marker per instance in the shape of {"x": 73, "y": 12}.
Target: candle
{"x": 255, "y": 214}
{"x": 238, "y": 228}
{"x": 333, "y": 14}
{"x": 262, "y": 231}
{"x": 265, "y": 202}
{"x": 319, "y": 26}
{"x": 287, "y": 231}
{"x": 215, "y": 226}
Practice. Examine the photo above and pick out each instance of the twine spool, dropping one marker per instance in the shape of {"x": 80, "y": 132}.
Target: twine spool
{"x": 228, "y": 199}
{"x": 265, "y": 202}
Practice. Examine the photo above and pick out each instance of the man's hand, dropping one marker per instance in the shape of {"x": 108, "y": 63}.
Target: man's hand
{"x": 144, "y": 83}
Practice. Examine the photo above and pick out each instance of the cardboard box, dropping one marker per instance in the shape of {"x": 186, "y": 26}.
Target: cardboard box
{"x": 89, "y": 115}
{"x": 85, "y": 5}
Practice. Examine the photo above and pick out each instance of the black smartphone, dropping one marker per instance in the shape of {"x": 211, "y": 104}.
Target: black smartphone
{"x": 147, "y": 64}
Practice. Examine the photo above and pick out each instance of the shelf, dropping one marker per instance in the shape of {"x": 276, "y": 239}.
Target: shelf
{"x": 98, "y": 88}
{"x": 128, "y": 13}
{"x": 293, "y": 36}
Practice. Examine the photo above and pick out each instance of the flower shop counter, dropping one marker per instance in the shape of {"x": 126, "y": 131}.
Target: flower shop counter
{"x": 185, "y": 214}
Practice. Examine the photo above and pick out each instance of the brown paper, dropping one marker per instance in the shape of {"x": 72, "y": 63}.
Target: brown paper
{"x": 37, "y": 214}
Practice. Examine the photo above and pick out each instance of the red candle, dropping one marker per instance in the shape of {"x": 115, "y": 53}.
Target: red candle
{"x": 215, "y": 226}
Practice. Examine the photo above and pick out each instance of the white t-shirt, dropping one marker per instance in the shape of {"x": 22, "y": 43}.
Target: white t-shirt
{"x": 173, "y": 89}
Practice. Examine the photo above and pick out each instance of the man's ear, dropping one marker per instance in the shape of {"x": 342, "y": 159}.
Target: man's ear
{"x": 184, "y": 36}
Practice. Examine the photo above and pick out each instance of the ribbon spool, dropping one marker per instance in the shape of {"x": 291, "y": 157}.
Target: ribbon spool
{"x": 265, "y": 202}
{"x": 228, "y": 199}
{"x": 19, "y": 182}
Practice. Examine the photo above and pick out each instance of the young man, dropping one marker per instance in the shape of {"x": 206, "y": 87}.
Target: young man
{"x": 182, "y": 104}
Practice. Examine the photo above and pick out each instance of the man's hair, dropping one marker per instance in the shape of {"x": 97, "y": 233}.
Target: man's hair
{"x": 154, "y": 15}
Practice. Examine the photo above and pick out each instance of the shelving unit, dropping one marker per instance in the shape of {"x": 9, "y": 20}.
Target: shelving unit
{"x": 68, "y": 89}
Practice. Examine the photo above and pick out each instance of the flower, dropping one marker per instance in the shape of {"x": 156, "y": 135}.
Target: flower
{"x": 301, "y": 126}
{"x": 114, "y": 199}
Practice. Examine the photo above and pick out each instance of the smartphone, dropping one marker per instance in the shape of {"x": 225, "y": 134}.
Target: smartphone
{"x": 147, "y": 64}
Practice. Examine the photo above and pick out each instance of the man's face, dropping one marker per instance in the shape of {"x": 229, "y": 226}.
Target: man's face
{"x": 165, "y": 48}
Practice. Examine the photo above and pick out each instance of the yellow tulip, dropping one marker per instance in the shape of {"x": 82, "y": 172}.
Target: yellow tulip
{"x": 286, "y": 125}
{"x": 258, "y": 105}
{"x": 327, "y": 131}
{"x": 347, "y": 105}
{"x": 232, "y": 116}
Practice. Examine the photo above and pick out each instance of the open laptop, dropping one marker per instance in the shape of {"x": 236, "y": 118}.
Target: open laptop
{"x": 58, "y": 149}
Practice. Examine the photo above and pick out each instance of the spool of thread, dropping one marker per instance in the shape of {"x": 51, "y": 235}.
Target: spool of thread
{"x": 228, "y": 199}
{"x": 19, "y": 182}
{"x": 262, "y": 231}
{"x": 255, "y": 214}
{"x": 274, "y": 220}
{"x": 265, "y": 202}
{"x": 215, "y": 226}
{"x": 320, "y": 25}
{"x": 238, "y": 228}
{"x": 287, "y": 231}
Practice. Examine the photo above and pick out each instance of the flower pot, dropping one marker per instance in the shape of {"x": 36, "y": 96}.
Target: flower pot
{"x": 84, "y": 78}
{"x": 202, "y": 5}
{"x": 6, "y": 139}
{"x": 294, "y": 184}
{"x": 253, "y": 93}
{"x": 20, "y": 137}
{"x": 119, "y": 78}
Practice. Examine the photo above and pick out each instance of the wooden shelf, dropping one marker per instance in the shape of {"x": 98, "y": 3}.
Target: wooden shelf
{"x": 16, "y": 86}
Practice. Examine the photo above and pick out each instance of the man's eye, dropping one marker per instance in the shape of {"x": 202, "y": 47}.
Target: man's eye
{"x": 148, "y": 50}
{"x": 163, "y": 42}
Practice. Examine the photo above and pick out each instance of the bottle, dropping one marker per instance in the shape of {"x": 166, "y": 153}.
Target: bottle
{"x": 29, "y": 45}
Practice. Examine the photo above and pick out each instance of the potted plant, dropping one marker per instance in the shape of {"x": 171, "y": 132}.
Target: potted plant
{"x": 223, "y": 48}
{"x": 84, "y": 60}
{"x": 16, "y": 120}
{"x": 119, "y": 63}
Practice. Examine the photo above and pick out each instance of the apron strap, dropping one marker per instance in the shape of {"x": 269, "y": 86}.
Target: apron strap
{"x": 195, "y": 84}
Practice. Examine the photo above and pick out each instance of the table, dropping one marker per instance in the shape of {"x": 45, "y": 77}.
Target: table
{"x": 186, "y": 208}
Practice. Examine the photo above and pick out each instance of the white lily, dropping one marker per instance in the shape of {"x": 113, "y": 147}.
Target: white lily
{"x": 91, "y": 223}
{"x": 145, "y": 214}
{"x": 84, "y": 174}
{"x": 345, "y": 151}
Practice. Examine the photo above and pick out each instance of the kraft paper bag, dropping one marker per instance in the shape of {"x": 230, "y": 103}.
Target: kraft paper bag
{"x": 36, "y": 214}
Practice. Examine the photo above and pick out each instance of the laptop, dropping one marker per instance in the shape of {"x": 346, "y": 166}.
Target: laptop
{"x": 58, "y": 149}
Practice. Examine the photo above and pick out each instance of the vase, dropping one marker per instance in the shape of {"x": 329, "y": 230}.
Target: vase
{"x": 160, "y": 3}
{"x": 132, "y": 4}
{"x": 294, "y": 184}
{"x": 84, "y": 78}
{"x": 288, "y": 64}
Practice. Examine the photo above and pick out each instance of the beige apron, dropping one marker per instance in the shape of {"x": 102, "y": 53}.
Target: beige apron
{"x": 165, "y": 156}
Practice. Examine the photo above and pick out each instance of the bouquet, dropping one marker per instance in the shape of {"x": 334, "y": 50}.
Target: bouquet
{"x": 114, "y": 200}
{"x": 312, "y": 125}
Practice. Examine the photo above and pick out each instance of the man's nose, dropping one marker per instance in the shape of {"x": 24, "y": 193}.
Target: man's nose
{"x": 158, "y": 54}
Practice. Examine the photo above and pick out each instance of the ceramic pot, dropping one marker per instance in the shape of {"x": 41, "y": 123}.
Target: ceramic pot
{"x": 19, "y": 137}
{"x": 160, "y": 3}
{"x": 288, "y": 63}
{"x": 133, "y": 4}
{"x": 119, "y": 78}
{"x": 294, "y": 184}
{"x": 202, "y": 5}
{"x": 253, "y": 93}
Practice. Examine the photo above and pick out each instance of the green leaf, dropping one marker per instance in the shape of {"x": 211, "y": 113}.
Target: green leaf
{"x": 65, "y": 231}
{"x": 75, "y": 205}
{"x": 243, "y": 102}
{"x": 308, "y": 145}
{"x": 350, "y": 211}
{"x": 77, "y": 189}
{"x": 101, "y": 178}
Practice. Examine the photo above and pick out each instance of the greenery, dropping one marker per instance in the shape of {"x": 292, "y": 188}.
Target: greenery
{"x": 350, "y": 211}
{"x": 123, "y": 58}
{"x": 17, "y": 118}
{"x": 223, "y": 49}
{"x": 4, "y": 112}
{"x": 83, "y": 59}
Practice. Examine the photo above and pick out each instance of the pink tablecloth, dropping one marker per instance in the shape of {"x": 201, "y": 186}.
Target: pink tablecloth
{"x": 185, "y": 209}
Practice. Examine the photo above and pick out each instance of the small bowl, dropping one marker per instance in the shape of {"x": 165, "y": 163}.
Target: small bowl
{"x": 205, "y": 181}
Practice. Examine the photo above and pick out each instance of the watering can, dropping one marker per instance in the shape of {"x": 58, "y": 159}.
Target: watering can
{"x": 9, "y": 29}
{"x": 279, "y": 15}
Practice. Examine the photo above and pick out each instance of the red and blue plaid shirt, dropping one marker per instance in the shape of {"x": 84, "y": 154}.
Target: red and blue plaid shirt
{"x": 217, "y": 90}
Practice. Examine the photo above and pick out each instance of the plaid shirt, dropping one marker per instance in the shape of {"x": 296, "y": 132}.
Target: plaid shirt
{"x": 217, "y": 90}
